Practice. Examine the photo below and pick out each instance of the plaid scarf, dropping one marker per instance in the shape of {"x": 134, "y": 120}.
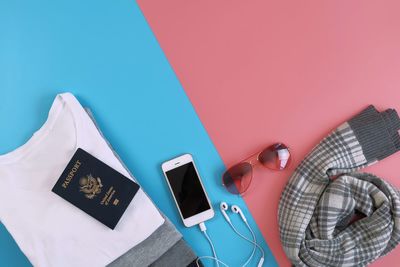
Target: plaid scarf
{"x": 329, "y": 215}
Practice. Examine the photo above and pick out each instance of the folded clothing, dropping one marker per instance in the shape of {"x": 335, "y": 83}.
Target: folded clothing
{"x": 329, "y": 215}
{"x": 49, "y": 230}
{"x": 163, "y": 248}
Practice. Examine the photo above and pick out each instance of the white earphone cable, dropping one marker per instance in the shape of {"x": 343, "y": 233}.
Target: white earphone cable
{"x": 247, "y": 239}
{"x": 242, "y": 236}
{"x": 251, "y": 256}
{"x": 203, "y": 229}
{"x": 255, "y": 239}
{"x": 211, "y": 258}
{"x": 212, "y": 246}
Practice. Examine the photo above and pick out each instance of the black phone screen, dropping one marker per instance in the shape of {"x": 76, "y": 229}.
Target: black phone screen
{"x": 187, "y": 190}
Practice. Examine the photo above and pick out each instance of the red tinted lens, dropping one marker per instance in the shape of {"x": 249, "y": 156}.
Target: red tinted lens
{"x": 237, "y": 178}
{"x": 275, "y": 157}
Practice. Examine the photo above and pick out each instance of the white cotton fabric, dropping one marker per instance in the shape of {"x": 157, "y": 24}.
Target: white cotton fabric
{"x": 48, "y": 229}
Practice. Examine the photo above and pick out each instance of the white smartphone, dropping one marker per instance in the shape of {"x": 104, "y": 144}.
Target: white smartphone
{"x": 187, "y": 189}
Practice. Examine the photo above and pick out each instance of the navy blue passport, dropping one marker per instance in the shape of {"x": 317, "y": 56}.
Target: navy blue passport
{"x": 95, "y": 188}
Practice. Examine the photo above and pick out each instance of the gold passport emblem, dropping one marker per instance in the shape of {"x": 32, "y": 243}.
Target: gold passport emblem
{"x": 90, "y": 186}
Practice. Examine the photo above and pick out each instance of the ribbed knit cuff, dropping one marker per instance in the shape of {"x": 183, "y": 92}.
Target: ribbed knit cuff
{"x": 377, "y": 132}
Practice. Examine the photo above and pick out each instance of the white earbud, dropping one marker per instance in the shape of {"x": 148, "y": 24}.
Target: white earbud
{"x": 224, "y": 207}
{"x": 236, "y": 209}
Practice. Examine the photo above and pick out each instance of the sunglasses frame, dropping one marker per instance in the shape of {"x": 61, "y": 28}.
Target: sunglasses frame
{"x": 250, "y": 160}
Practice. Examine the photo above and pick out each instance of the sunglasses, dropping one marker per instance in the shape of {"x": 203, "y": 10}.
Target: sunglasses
{"x": 237, "y": 179}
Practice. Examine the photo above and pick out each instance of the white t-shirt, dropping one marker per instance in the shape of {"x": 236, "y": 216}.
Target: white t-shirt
{"x": 48, "y": 229}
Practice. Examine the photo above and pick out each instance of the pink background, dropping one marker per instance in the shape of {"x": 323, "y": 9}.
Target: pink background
{"x": 258, "y": 72}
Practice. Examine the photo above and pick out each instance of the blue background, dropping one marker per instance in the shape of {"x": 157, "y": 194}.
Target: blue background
{"x": 105, "y": 53}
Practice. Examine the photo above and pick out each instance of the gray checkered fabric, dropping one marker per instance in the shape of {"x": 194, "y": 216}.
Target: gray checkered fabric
{"x": 331, "y": 215}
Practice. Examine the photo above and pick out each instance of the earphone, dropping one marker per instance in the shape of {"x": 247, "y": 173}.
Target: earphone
{"x": 235, "y": 209}
{"x": 223, "y": 206}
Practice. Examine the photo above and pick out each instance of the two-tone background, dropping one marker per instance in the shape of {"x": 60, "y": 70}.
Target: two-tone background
{"x": 218, "y": 79}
